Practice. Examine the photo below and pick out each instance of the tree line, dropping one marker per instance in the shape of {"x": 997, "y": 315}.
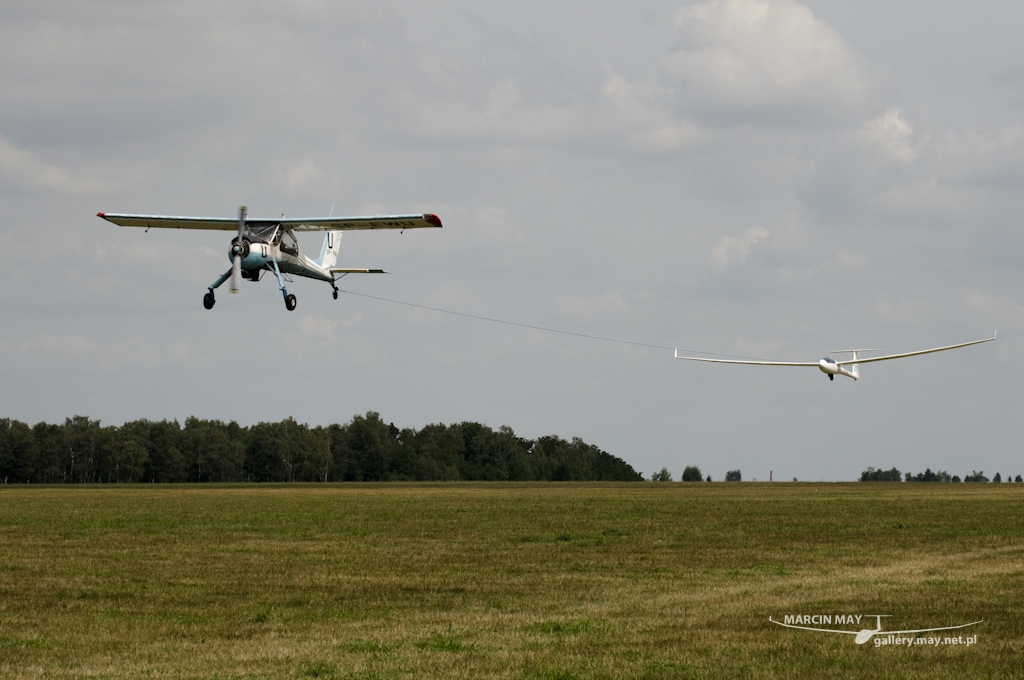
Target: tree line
{"x": 81, "y": 450}
{"x": 692, "y": 473}
{"x": 894, "y": 475}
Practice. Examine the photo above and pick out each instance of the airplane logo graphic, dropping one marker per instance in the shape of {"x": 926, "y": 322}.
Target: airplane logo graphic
{"x": 867, "y": 633}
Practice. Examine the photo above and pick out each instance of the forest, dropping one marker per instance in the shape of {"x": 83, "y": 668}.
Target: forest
{"x": 893, "y": 475}
{"x": 367, "y": 449}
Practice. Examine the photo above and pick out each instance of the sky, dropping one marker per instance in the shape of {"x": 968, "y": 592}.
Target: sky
{"x": 770, "y": 179}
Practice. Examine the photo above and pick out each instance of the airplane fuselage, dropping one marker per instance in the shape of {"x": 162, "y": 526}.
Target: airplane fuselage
{"x": 261, "y": 255}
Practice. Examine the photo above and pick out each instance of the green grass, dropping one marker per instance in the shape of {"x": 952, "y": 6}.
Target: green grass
{"x": 499, "y": 580}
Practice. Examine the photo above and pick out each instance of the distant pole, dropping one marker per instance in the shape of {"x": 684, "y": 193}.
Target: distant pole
{"x": 769, "y": 475}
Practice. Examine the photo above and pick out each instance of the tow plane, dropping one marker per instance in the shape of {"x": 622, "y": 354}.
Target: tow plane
{"x": 831, "y": 367}
{"x": 269, "y": 245}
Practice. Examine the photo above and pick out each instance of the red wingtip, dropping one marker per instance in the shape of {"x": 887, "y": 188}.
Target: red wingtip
{"x": 101, "y": 214}
{"x": 432, "y": 220}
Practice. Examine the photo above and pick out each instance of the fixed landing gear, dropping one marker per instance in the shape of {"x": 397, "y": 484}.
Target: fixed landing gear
{"x": 289, "y": 299}
{"x": 831, "y": 377}
{"x": 209, "y": 300}
{"x": 335, "y": 295}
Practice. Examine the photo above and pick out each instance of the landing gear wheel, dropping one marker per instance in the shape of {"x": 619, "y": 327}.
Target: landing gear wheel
{"x": 208, "y": 300}
{"x": 289, "y": 302}
{"x": 831, "y": 377}
{"x": 335, "y": 295}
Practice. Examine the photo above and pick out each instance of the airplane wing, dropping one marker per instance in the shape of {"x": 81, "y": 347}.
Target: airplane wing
{"x": 353, "y": 223}
{"x": 343, "y": 270}
{"x": 913, "y": 354}
{"x": 753, "y": 363}
{"x": 165, "y": 222}
{"x": 296, "y": 224}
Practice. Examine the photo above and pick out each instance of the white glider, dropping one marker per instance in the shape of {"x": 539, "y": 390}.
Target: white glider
{"x": 831, "y": 367}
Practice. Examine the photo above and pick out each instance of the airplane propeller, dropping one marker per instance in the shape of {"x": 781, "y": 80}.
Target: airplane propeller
{"x": 237, "y": 247}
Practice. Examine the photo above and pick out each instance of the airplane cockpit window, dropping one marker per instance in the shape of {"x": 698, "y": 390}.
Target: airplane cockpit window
{"x": 289, "y": 244}
{"x": 263, "y": 233}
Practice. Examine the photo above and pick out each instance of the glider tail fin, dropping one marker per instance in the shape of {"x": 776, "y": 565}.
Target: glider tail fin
{"x": 849, "y": 367}
{"x": 329, "y": 252}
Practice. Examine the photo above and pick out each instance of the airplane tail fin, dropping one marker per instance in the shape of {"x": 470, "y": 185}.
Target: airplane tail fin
{"x": 329, "y": 252}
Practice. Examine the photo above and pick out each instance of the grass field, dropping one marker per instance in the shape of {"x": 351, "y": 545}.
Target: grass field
{"x": 638, "y": 580}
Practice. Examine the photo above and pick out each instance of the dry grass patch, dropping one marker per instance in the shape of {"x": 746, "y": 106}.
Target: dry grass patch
{"x": 503, "y": 581}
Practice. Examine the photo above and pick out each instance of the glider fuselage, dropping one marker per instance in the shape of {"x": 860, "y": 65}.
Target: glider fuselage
{"x": 830, "y": 367}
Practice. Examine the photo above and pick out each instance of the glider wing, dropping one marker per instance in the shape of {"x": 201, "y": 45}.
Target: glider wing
{"x": 913, "y": 354}
{"x": 754, "y": 363}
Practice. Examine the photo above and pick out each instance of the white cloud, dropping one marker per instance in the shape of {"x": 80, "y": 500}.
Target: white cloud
{"x": 475, "y": 229}
{"x": 976, "y": 157}
{"x": 317, "y": 330}
{"x": 998, "y": 309}
{"x": 849, "y": 260}
{"x": 622, "y": 115}
{"x": 313, "y": 339}
{"x": 892, "y": 135}
{"x": 910, "y": 309}
{"x": 24, "y": 169}
{"x": 301, "y": 174}
{"x": 733, "y": 249}
{"x": 765, "y": 54}
{"x": 844, "y": 260}
{"x": 641, "y": 117}
{"x": 47, "y": 350}
{"x": 503, "y": 116}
